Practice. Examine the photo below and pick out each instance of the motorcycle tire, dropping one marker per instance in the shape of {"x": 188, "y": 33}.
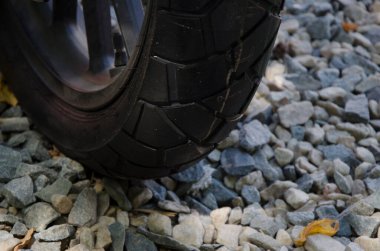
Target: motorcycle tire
{"x": 198, "y": 66}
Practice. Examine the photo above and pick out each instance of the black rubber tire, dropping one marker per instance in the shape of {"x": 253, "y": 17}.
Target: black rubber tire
{"x": 201, "y": 63}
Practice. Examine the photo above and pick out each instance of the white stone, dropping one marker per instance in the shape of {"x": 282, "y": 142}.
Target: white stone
{"x": 284, "y": 238}
{"x": 319, "y": 242}
{"x": 368, "y": 244}
{"x": 296, "y": 198}
{"x": 190, "y": 231}
{"x": 220, "y": 216}
{"x": 228, "y": 235}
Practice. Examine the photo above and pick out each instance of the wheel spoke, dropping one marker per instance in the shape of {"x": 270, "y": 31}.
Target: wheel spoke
{"x": 65, "y": 10}
{"x": 130, "y": 15}
{"x": 99, "y": 34}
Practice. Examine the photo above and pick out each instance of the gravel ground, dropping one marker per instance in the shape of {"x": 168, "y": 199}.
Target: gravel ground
{"x": 307, "y": 149}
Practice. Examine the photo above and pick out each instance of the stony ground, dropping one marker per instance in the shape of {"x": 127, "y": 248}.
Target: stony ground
{"x": 307, "y": 148}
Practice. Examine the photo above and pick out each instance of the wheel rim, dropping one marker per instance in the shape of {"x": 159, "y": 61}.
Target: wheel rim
{"x": 83, "y": 46}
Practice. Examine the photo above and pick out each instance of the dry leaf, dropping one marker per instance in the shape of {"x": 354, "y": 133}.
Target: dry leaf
{"x": 151, "y": 211}
{"x": 6, "y": 95}
{"x": 26, "y": 241}
{"x": 325, "y": 226}
{"x": 347, "y": 27}
{"x": 54, "y": 152}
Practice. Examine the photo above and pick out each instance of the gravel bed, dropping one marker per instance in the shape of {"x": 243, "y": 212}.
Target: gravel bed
{"x": 307, "y": 148}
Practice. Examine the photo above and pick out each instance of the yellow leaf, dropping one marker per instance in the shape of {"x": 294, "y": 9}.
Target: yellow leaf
{"x": 6, "y": 95}
{"x": 347, "y": 27}
{"x": 25, "y": 241}
{"x": 325, "y": 226}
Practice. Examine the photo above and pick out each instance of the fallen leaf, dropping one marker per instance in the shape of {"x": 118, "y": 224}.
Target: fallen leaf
{"x": 6, "y": 95}
{"x": 54, "y": 152}
{"x": 324, "y": 226}
{"x": 347, "y": 27}
{"x": 26, "y": 241}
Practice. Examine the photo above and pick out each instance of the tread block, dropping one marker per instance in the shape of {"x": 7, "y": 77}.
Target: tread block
{"x": 106, "y": 156}
{"x": 258, "y": 42}
{"x": 133, "y": 119}
{"x": 198, "y": 81}
{"x": 226, "y": 21}
{"x": 189, "y": 151}
{"x": 254, "y": 16}
{"x": 132, "y": 170}
{"x": 231, "y": 103}
{"x": 258, "y": 69}
{"x": 171, "y": 33}
{"x": 194, "y": 120}
{"x": 155, "y": 130}
{"x": 223, "y": 131}
{"x": 189, "y": 6}
{"x": 134, "y": 151}
{"x": 155, "y": 86}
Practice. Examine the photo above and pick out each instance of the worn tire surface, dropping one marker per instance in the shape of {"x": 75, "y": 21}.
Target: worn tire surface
{"x": 201, "y": 63}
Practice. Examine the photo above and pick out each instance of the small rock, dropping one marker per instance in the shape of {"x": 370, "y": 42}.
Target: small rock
{"x": 283, "y": 156}
{"x": 319, "y": 242}
{"x": 264, "y": 241}
{"x": 136, "y": 242}
{"x": 344, "y": 183}
{"x": 315, "y": 135}
{"x": 142, "y": 197}
{"x": 190, "y": 231}
{"x": 341, "y": 167}
{"x": 103, "y": 237}
{"x": 222, "y": 194}
{"x": 320, "y": 29}
{"x": 191, "y": 174}
{"x": 341, "y": 152}
{"x": 295, "y": 114}
{"x": 46, "y": 246}
{"x": 122, "y": 217}
{"x": 39, "y": 216}
{"x": 276, "y": 190}
{"x": 19, "y": 229}
{"x": 228, "y": 235}
{"x": 250, "y": 194}
{"x": 365, "y": 155}
{"x": 253, "y": 179}
{"x": 19, "y": 192}
{"x": 368, "y": 244}
{"x": 363, "y": 225}
{"x": 160, "y": 224}
{"x": 173, "y": 206}
{"x": 9, "y": 160}
{"x": 116, "y": 192}
{"x": 83, "y": 212}
{"x": 300, "y": 218}
{"x": 296, "y": 198}
{"x": 219, "y": 216}
{"x": 353, "y": 247}
{"x": 237, "y": 162}
{"x": 61, "y": 203}
{"x": 265, "y": 224}
{"x": 56, "y": 233}
{"x": 254, "y": 134}
{"x": 356, "y": 109}
{"x": 86, "y": 237}
{"x": 235, "y": 216}
{"x": 284, "y": 238}
{"x": 60, "y": 186}
{"x": 9, "y": 244}
{"x": 79, "y": 247}
{"x": 117, "y": 231}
